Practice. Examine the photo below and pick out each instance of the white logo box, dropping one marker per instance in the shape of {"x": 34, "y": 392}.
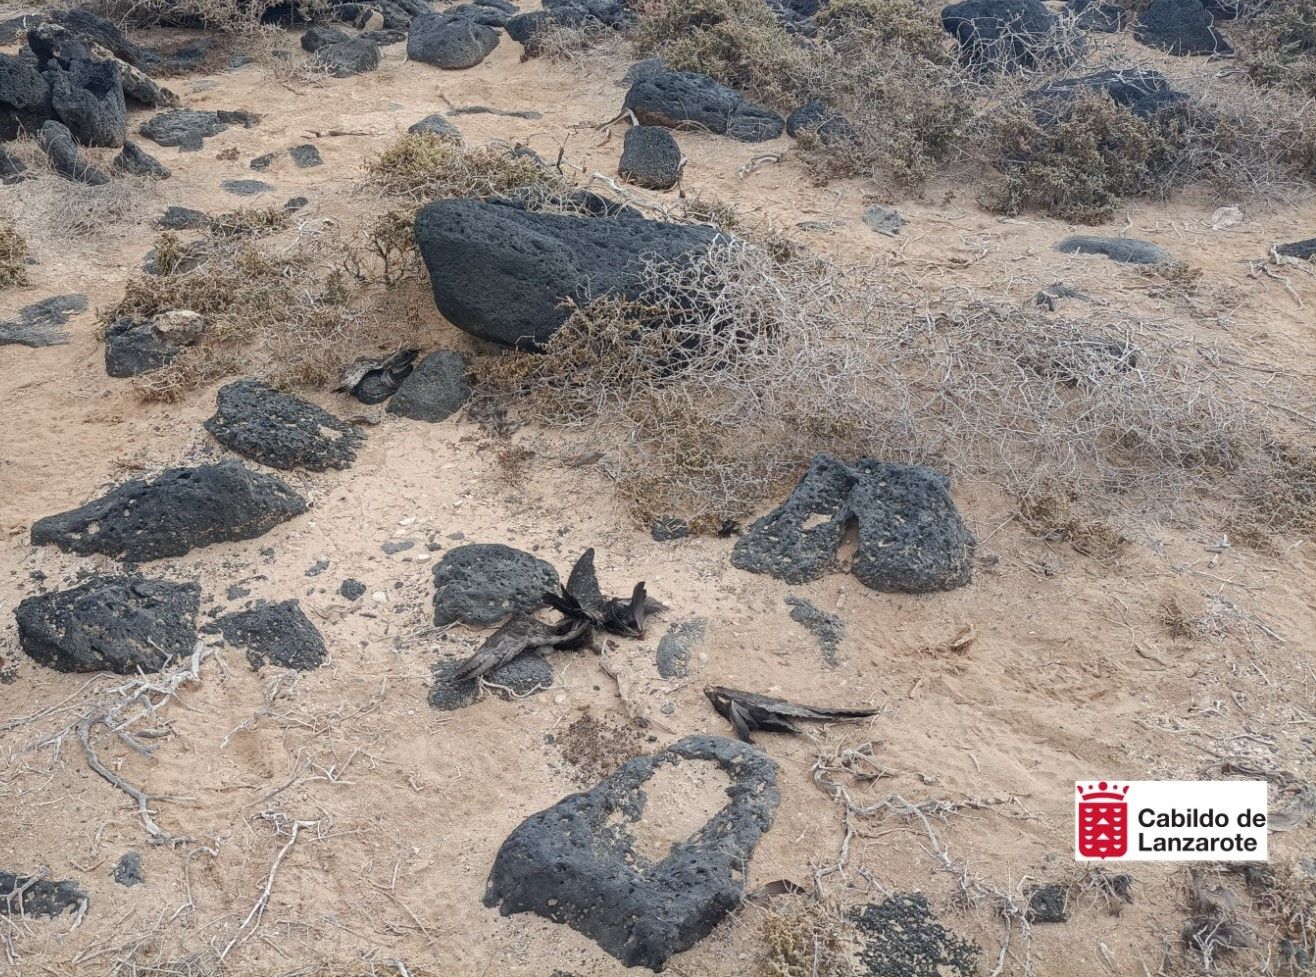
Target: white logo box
{"x": 1170, "y": 820}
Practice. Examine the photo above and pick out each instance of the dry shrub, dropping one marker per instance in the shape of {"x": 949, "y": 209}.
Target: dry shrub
{"x": 881, "y": 65}
{"x": 386, "y": 253}
{"x": 249, "y": 222}
{"x": 1278, "y": 498}
{"x": 889, "y": 23}
{"x": 276, "y": 310}
{"x": 1078, "y": 163}
{"x": 805, "y": 939}
{"x": 13, "y": 256}
{"x": 424, "y": 167}
{"x": 1278, "y": 45}
{"x": 905, "y": 114}
{"x": 1079, "y": 160}
{"x": 737, "y": 42}
{"x": 561, "y": 42}
{"x": 1053, "y": 510}
{"x": 722, "y": 379}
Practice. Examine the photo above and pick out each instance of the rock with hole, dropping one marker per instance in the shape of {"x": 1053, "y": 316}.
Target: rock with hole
{"x": 578, "y": 862}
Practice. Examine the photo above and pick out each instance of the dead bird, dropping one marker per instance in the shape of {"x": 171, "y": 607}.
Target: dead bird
{"x": 583, "y": 600}
{"x": 373, "y": 381}
{"x": 748, "y": 711}
{"x": 521, "y": 633}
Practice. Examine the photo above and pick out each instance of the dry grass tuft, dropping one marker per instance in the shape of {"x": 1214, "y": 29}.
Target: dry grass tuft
{"x": 424, "y": 167}
{"x": 280, "y": 311}
{"x": 249, "y": 222}
{"x": 1082, "y": 159}
{"x": 13, "y": 256}
{"x": 805, "y": 939}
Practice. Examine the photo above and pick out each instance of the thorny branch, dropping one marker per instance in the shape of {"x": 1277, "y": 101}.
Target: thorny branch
{"x": 973, "y": 887}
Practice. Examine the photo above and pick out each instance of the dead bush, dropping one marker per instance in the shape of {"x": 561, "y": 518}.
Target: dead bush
{"x": 249, "y": 222}
{"x": 713, "y": 388}
{"x": 737, "y": 42}
{"x": 1078, "y": 163}
{"x": 903, "y": 24}
{"x": 1278, "y": 498}
{"x": 805, "y": 939}
{"x": 1080, "y": 159}
{"x": 278, "y": 310}
{"x": 13, "y": 256}
{"x": 424, "y": 167}
{"x": 904, "y": 115}
{"x": 1278, "y": 45}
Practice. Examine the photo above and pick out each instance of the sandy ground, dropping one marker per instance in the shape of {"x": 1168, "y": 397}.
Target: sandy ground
{"x": 401, "y": 808}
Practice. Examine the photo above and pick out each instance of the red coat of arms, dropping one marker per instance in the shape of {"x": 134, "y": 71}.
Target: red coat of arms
{"x": 1103, "y": 821}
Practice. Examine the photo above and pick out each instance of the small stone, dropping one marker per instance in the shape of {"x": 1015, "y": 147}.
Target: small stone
{"x": 482, "y": 583}
{"x": 665, "y": 529}
{"x": 674, "y": 648}
{"x": 352, "y": 589}
{"x": 134, "y": 160}
{"x": 306, "y": 156}
{"x": 435, "y": 389}
{"x": 437, "y": 125}
{"x": 1048, "y": 903}
{"x": 128, "y": 871}
{"x": 247, "y": 188}
{"x": 280, "y": 430}
{"x": 650, "y": 158}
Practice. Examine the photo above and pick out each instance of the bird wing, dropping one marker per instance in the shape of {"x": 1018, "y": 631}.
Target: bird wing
{"x": 583, "y": 585}
{"x": 798, "y": 711}
{"x": 521, "y": 633}
{"x": 740, "y": 719}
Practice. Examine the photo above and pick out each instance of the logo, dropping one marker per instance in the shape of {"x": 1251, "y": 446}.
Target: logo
{"x": 1171, "y": 820}
{"x": 1103, "y": 821}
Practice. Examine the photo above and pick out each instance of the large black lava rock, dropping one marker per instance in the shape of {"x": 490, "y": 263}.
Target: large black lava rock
{"x": 112, "y": 624}
{"x": 502, "y": 273}
{"x": 1298, "y": 249}
{"x": 275, "y": 634}
{"x": 688, "y": 100}
{"x": 355, "y": 56}
{"x": 911, "y": 537}
{"x": 24, "y": 97}
{"x": 577, "y": 863}
{"x": 1181, "y": 27}
{"x": 178, "y": 511}
{"x": 449, "y": 40}
{"x": 88, "y": 98}
{"x": 1008, "y": 34}
{"x": 281, "y": 431}
{"x": 482, "y": 583}
{"x": 1125, "y": 250}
